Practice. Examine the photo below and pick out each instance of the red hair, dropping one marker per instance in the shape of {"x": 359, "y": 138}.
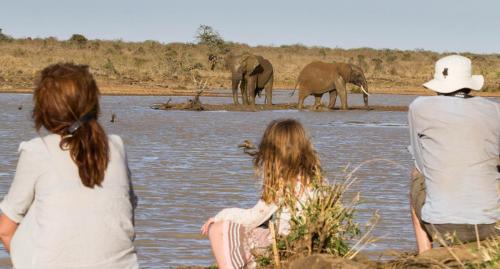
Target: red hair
{"x": 66, "y": 95}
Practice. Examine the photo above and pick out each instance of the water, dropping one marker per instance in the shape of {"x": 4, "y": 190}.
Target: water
{"x": 186, "y": 165}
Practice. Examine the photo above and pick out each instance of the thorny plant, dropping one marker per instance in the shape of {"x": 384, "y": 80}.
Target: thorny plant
{"x": 490, "y": 253}
{"x": 486, "y": 253}
{"x": 475, "y": 255}
{"x": 324, "y": 223}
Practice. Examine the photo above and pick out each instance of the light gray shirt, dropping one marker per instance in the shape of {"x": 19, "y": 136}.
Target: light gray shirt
{"x": 62, "y": 223}
{"x": 456, "y": 143}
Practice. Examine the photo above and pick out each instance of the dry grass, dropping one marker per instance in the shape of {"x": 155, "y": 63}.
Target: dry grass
{"x": 324, "y": 225}
{"x": 325, "y": 234}
{"x": 151, "y": 67}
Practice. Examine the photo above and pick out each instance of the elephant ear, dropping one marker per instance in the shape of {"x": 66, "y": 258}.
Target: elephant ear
{"x": 251, "y": 65}
{"x": 356, "y": 69}
{"x": 345, "y": 70}
{"x": 357, "y": 74}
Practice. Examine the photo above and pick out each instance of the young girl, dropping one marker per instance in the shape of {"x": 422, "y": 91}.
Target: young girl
{"x": 70, "y": 204}
{"x": 289, "y": 166}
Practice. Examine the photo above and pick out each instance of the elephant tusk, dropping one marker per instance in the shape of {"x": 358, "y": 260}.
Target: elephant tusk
{"x": 363, "y": 89}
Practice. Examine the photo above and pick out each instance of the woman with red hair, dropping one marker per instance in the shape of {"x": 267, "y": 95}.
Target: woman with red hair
{"x": 71, "y": 202}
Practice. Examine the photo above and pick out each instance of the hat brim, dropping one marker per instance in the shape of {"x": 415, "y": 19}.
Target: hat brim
{"x": 475, "y": 83}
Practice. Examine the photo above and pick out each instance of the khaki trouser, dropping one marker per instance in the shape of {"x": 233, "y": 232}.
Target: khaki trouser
{"x": 462, "y": 232}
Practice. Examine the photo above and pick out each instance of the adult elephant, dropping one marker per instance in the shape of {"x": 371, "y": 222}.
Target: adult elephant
{"x": 252, "y": 73}
{"x": 319, "y": 77}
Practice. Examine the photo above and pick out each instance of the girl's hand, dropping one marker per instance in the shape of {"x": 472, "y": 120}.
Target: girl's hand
{"x": 206, "y": 226}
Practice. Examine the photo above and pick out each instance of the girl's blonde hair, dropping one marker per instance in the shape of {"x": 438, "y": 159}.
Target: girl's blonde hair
{"x": 285, "y": 156}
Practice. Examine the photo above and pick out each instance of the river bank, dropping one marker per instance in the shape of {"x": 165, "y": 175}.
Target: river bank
{"x": 151, "y": 67}
{"x": 119, "y": 90}
{"x": 260, "y": 107}
{"x": 478, "y": 255}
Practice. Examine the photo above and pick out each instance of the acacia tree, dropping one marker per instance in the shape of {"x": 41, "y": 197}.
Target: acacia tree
{"x": 206, "y": 35}
{"x": 4, "y": 37}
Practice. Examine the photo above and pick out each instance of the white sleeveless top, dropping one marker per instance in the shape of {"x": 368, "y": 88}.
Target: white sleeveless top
{"x": 62, "y": 223}
{"x": 261, "y": 212}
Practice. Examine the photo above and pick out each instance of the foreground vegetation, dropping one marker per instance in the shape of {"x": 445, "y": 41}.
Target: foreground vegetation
{"x": 326, "y": 235}
{"x": 153, "y": 65}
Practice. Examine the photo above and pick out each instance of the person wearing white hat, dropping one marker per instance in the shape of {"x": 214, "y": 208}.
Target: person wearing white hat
{"x": 455, "y": 142}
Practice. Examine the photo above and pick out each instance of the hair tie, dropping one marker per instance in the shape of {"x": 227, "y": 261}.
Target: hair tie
{"x": 83, "y": 119}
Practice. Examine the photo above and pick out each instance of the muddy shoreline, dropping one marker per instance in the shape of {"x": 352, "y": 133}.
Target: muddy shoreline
{"x": 261, "y": 107}
{"x": 124, "y": 90}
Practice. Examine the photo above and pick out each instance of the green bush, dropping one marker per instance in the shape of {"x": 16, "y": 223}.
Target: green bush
{"x": 322, "y": 52}
{"x": 206, "y": 35}
{"x": 78, "y": 39}
{"x": 4, "y": 37}
{"x": 109, "y": 67}
{"x": 95, "y": 45}
{"x": 326, "y": 225}
{"x": 406, "y": 56}
{"x": 378, "y": 64}
{"x": 391, "y": 57}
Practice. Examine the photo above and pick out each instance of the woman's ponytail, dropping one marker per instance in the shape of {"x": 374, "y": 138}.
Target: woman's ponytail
{"x": 66, "y": 101}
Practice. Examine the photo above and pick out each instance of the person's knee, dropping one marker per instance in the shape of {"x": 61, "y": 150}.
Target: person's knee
{"x": 215, "y": 230}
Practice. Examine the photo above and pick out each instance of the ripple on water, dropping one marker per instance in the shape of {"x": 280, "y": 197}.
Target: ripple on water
{"x": 186, "y": 165}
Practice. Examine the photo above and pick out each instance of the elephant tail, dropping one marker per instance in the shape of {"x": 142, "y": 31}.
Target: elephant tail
{"x": 294, "y": 88}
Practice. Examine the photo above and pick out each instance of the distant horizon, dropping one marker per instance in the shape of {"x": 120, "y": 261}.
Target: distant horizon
{"x": 444, "y": 26}
{"x": 250, "y": 45}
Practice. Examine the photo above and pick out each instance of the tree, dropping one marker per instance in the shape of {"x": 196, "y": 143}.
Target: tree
{"x": 206, "y": 35}
{"x": 4, "y": 37}
{"x": 78, "y": 39}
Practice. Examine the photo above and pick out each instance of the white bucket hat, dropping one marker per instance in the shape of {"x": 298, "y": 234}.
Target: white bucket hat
{"x": 453, "y": 73}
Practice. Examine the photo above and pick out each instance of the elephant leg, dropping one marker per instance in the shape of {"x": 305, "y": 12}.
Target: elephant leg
{"x": 244, "y": 93}
{"x": 251, "y": 89}
{"x": 340, "y": 85}
{"x": 302, "y": 97}
{"x": 317, "y": 101}
{"x": 269, "y": 91}
{"x": 333, "y": 99}
{"x": 234, "y": 87}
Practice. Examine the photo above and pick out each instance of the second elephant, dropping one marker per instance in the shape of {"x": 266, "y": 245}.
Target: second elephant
{"x": 319, "y": 77}
{"x": 252, "y": 74}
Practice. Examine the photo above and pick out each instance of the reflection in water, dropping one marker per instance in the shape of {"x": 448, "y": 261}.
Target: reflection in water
{"x": 186, "y": 165}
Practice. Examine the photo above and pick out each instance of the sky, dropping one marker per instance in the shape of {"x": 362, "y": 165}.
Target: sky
{"x": 437, "y": 25}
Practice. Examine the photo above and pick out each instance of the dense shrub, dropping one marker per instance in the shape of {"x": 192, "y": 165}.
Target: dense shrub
{"x": 206, "y": 35}
{"x": 4, "y": 37}
{"x": 78, "y": 39}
